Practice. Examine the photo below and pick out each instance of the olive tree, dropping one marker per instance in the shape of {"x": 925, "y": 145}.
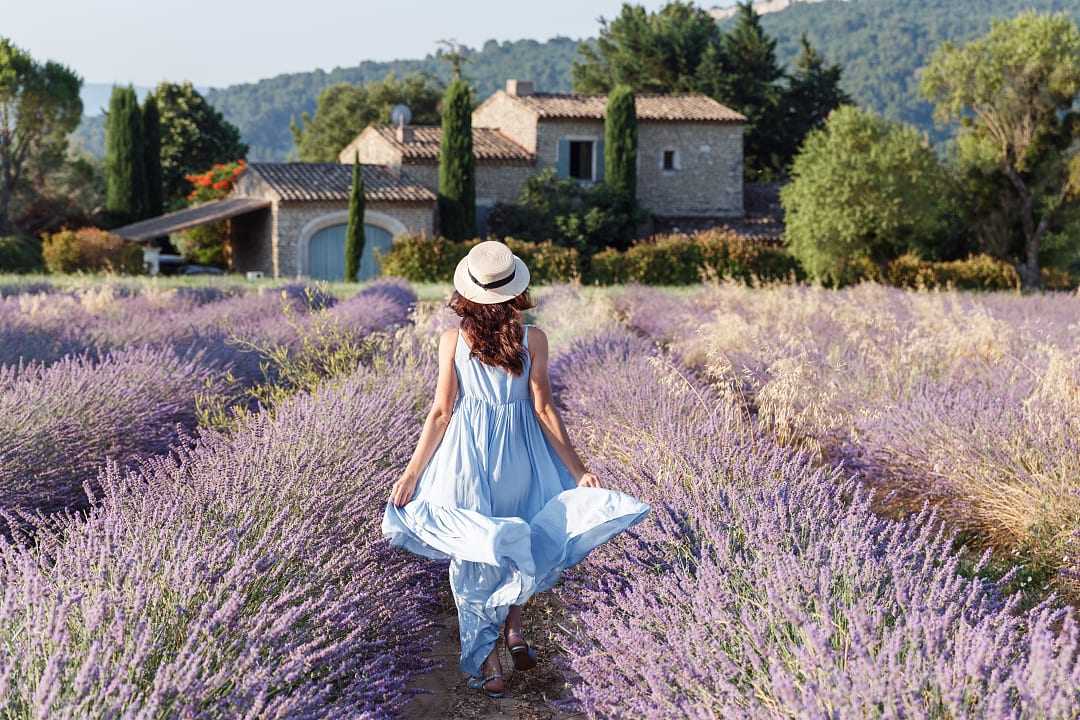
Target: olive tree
{"x": 1012, "y": 91}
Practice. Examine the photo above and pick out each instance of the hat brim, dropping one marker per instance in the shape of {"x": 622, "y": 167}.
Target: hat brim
{"x": 471, "y": 291}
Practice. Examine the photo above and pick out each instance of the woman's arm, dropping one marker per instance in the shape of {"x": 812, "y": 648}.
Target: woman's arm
{"x": 548, "y": 415}
{"x": 435, "y": 425}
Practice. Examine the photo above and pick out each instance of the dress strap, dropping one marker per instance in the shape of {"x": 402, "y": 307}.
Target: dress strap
{"x": 525, "y": 339}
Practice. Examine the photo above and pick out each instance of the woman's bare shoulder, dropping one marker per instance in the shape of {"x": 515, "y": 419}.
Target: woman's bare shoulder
{"x": 448, "y": 338}
{"x": 538, "y": 339}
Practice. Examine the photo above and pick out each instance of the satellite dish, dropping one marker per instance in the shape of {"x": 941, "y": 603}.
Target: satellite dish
{"x": 400, "y": 115}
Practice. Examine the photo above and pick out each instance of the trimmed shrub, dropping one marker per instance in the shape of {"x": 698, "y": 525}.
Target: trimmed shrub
{"x": 420, "y": 259}
{"x": 548, "y": 262}
{"x": 688, "y": 259}
{"x": 20, "y": 254}
{"x": 91, "y": 250}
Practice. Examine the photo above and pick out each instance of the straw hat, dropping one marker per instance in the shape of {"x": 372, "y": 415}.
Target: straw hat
{"x": 491, "y": 274}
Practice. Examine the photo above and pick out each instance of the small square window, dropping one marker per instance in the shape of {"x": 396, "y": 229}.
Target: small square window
{"x": 581, "y": 159}
{"x": 669, "y": 160}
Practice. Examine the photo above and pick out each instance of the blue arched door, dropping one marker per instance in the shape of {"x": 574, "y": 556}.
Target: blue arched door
{"x": 326, "y": 252}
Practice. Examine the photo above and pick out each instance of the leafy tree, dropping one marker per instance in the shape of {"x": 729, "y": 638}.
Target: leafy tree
{"x": 620, "y": 144}
{"x": 125, "y": 161}
{"x": 194, "y": 136}
{"x": 344, "y": 111}
{"x": 1013, "y": 91}
{"x": 863, "y": 189}
{"x": 354, "y": 232}
{"x": 650, "y": 52}
{"x": 813, "y": 92}
{"x": 39, "y": 108}
{"x": 457, "y": 164}
{"x": 152, "y": 155}
{"x": 567, "y": 213}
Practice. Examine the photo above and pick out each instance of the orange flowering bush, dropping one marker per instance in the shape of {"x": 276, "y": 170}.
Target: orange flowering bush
{"x": 215, "y": 183}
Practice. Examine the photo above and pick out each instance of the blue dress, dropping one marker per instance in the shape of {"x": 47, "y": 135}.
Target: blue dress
{"x": 497, "y": 501}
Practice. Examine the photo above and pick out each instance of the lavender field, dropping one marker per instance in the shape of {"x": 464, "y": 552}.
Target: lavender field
{"x": 867, "y": 504}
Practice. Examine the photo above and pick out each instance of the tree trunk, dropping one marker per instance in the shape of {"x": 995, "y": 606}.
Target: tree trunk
{"x": 5, "y": 206}
{"x": 1028, "y": 269}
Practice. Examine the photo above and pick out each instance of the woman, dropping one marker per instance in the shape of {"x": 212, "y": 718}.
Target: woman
{"x": 494, "y": 484}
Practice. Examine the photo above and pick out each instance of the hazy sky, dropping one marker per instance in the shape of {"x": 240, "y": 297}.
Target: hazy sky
{"x": 219, "y": 42}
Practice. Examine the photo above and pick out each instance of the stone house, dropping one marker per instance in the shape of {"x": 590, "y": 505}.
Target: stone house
{"x": 289, "y": 219}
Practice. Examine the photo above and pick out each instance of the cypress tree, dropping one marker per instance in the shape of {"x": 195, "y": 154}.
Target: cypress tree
{"x": 457, "y": 166}
{"x": 354, "y": 232}
{"x": 813, "y": 92}
{"x": 152, "y": 155}
{"x": 620, "y": 144}
{"x": 125, "y": 168}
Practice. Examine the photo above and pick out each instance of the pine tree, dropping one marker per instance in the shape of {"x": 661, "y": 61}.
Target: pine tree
{"x": 749, "y": 81}
{"x": 354, "y": 232}
{"x": 813, "y": 92}
{"x": 152, "y": 156}
{"x": 620, "y": 144}
{"x": 125, "y": 167}
{"x": 457, "y": 166}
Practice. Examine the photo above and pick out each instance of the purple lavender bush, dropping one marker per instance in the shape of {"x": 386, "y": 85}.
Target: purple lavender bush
{"x": 244, "y": 578}
{"x": 763, "y": 586}
{"x": 60, "y": 423}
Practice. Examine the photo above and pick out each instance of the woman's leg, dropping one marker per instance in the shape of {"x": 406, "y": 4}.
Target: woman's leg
{"x": 492, "y": 668}
{"x": 514, "y": 635}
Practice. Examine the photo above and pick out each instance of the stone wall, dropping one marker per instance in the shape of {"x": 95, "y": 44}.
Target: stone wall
{"x": 294, "y": 217}
{"x": 510, "y": 117}
{"x": 495, "y": 182}
{"x": 708, "y": 179}
{"x": 373, "y": 149}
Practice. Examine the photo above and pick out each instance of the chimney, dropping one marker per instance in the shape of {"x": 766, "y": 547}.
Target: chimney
{"x": 403, "y": 133}
{"x": 519, "y": 88}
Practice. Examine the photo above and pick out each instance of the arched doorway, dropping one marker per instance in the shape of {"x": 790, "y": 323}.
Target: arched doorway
{"x": 326, "y": 252}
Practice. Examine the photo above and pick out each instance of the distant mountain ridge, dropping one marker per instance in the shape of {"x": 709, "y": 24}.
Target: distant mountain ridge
{"x": 881, "y": 45}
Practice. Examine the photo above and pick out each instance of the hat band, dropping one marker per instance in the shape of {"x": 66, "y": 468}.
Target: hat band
{"x": 494, "y": 283}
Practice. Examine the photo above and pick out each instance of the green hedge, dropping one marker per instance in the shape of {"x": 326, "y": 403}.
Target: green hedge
{"x": 421, "y": 259}
{"x": 689, "y": 259}
{"x": 20, "y": 254}
{"x": 708, "y": 255}
{"x": 978, "y": 272}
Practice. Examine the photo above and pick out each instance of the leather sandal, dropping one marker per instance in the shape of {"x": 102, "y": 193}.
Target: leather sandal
{"x": 476, "y": 683}
{"x": 523, "y": 654}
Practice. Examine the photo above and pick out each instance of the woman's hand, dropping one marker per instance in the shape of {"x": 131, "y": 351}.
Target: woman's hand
{"x": 403, "y": 489}
{"x": 587, "y": 479}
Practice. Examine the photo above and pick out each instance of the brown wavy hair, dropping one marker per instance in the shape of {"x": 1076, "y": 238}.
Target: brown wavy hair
{"x": 494, "y": 332}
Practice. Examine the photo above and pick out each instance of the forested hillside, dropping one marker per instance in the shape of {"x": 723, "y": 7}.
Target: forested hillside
{"x": 881, "y": 44}
{"x": 262, "y": 110}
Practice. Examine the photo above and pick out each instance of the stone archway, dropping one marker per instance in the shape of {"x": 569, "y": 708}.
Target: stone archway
{"x": 325, "y": 224}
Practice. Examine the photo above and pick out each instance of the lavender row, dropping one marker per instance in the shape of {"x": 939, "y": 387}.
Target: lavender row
{"x": 244, "y": 578}
{"x": 968, "y": 401}
{"x": 46, "y": 327}
{"x": 764, "y": 586}
{"x": 59, "y": 423}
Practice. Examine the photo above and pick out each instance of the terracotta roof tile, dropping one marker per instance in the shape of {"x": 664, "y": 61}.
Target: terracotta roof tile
{"x": 687, "y": 108}
{"x": 333, "y": 181}
{"x": 488, "y": 144}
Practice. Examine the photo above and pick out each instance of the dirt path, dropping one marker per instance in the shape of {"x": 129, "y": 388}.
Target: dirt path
{"x": 530, "y": 693}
